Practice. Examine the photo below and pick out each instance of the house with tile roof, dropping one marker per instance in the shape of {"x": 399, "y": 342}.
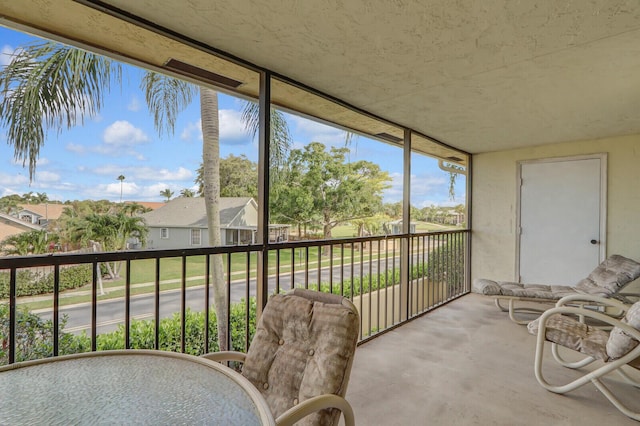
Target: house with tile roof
{"x": 29, "y": 217}
{"x": 11, "y": 225}
{"x": 182, "y": 223}
{"x": 40, "y": 214}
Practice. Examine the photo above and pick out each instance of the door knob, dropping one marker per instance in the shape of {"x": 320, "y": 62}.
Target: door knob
{"x": 594, "y": 241}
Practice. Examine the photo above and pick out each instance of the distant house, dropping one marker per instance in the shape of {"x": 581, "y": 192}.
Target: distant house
{"x": 395, "y": 227}
{"x": 29, "y": 217}
{"x": 182, "y": 222}
{"x": 11, "y": 225}
{"x": 40, "y": 214}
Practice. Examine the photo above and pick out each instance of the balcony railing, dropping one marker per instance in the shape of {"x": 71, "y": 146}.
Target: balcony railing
{"x": 164, "y": 298}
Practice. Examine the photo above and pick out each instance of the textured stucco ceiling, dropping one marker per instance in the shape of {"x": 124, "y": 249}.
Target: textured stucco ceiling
{"x": 477, "y": 75}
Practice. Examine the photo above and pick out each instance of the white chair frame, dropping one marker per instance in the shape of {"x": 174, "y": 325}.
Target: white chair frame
{"x": 606, "y": 367}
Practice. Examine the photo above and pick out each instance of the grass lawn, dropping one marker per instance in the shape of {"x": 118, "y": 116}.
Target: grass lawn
{"x": 143, "y": 274}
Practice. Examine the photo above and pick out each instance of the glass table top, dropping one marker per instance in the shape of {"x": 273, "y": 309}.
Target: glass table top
{"x": 126, "y": 388}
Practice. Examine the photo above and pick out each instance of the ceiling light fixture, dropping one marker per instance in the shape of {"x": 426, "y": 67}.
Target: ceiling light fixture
{"x": 201, "y": 74}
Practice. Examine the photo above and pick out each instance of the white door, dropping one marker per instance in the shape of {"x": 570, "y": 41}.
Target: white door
{"x": 562, "y": 209}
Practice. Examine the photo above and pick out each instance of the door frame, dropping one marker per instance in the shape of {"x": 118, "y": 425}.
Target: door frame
{"x": 603, "y": 200}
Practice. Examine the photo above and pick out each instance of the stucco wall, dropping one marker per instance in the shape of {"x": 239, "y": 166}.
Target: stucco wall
{"x": 495, "y": 194}
{"x": 178, "y": 238}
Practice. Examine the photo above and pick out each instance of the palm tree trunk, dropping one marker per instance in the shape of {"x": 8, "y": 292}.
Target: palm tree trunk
{"x": 211, "y": 172}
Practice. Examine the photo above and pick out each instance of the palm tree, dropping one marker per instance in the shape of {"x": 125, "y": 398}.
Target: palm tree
{"x": 121, "y": 178}
{"x": 187, "y": 193}
{"x": 133, "y": 209}
{"x": 47, "y": 85}
{"x": 167, "y": 193}
{"x": 30, "y": 242}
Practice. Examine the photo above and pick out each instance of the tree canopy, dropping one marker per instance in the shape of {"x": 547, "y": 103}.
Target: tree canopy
{"x": 322, "y": 188}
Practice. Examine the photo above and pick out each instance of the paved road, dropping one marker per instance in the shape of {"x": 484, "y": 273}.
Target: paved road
{"x": 111, "y": 313}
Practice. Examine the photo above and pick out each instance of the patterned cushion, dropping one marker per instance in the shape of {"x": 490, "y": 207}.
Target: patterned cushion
{"x": 610, "y": 276}
{"x": 302, "y": 348}
{"x": 508, "y": 288}
{"x": 486, "y": 287}
{"x": 620, "y": 343}
{"x": 574, "y": 335}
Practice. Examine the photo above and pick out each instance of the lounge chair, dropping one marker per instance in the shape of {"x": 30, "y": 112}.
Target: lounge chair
{"x": 607, "y": 280}
{"x": 614, "y": 351}
{"x": 301, "y": 355}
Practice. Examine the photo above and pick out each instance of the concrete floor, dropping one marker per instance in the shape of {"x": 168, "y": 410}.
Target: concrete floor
{"x": 466, "y": 363}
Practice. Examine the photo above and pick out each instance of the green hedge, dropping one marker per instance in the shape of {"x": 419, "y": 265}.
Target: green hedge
{"x": 35, "y": 335}
{"x": 30, "y": 283}
{"x": 444, "y": 263}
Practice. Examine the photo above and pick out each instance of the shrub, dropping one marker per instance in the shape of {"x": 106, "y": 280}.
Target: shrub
{"x": 30, "y": 283}
{"x": 34, "y": 337}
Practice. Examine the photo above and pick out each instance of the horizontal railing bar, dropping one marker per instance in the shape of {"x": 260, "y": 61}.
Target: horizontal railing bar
{"x": 437, "y": 274}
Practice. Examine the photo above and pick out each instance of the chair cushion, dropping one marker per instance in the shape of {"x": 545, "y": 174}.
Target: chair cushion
{"x": 620, "y": 343}
{"x": 302, "y": 348}
{"x": 508, "y": 288}
{"x": 610, "y": 276}
{"x": 574, "y": 335}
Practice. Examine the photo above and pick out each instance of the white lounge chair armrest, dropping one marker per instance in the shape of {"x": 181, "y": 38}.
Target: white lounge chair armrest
{"x": 223, "y": 356}
{"x": 317, "y": 403}
{"x": 588, "y": 313}
{"x": 573, "y": 299}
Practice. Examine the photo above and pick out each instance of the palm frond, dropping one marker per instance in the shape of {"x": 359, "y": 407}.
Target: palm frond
{"x": 50, "y": 86}
{"x": 280, "y": 136}
{"x": 166, "y": 98}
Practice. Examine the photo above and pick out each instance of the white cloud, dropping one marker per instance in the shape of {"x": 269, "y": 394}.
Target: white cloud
{"x": 112, "y": 190}
{"x": 144, "y": 173}
{"x": 426, "y": 190}
{"x": 134, "y": 104}
{"x": 192, "y": 131}
{"x": 47, "y": 177}
{"x": 77, "y": 148}
{"x": 394, "y": 193}
{"x": 123, "y": 133}
{"x": 6, "y": 55}
{"x": 13, "y": 180}
{"x": 318, "y": 132}
{"x": 428, "y": 185}
{"x": 231, "y": 126}
{"x": 148, "y": 173}
{"x": 153, "y": 191}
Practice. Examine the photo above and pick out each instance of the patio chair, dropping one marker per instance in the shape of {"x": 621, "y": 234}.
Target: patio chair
{"x": 301, "y": 355}
{"x": 614, "y": 350}
{"x": 607, "y": 280}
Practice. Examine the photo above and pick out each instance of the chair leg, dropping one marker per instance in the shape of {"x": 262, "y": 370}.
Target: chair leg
{"x": 573, "y": 365}
{"x": 628, "y": 378}
{"x": 615, "y": 401}
{"x": 513, "y": 310}
{"x": 502, "y": 308}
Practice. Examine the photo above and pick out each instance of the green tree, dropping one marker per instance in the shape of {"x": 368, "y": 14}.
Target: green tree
{"x": 238, "y": 177}
{"x": 329, "y": 189}
{"x": 187, "y": 193}
{"x": 167, "y": 193}
{"x": 9, "y": 204}
{"x": 107, "y": 232}
{"x": 393, "y": 210}
{"x": 40, "y": 198}
{"x": 47, "y": 85}
{"x": 133, "y": 209}
{"x": 31, "y": 242}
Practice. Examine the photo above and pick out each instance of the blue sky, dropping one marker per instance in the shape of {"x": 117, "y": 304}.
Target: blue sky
{"x": 85, "y": 161}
